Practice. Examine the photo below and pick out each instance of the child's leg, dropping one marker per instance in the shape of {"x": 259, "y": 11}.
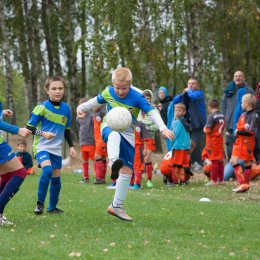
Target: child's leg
{"x": 214, "y": 171}
{"x": 99, "y": 168}
{"x": 175, "y": 174}
{"x": 13, "y": 181}
{"x": 121, "y": 189}
{"x": 220, "y": 171}
{"x": 239, "y": 174}
{"x": 138, "y": 177}
{"x": 181, "y": 174}
{"x": 104, "y": 169}
{"x": 132, "y": 180}
{"x": 54, "y": 192}
{"x": 247, "y": 173}
{"x": 113, "y": 146}
{"x": 149, "y": 170}
{"x": 44, "y": 183}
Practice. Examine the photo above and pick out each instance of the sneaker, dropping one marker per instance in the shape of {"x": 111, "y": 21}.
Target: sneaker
{"x": 241, "y": 188}
{"x": 130, "y": 186}
{"x": 4, "y": 221}
{"x": 170, "y": 184}
{"x": 221, "y": 182}
{"x": 187, "y": 182}
{"x": 211, "y": 183}
{"x": 99, "y": 181}
{"x": 116, "y": 166}
{"x": 39, "y": 208}
{"x": 136, "y": 187}
{"x": 149, "y": 184}
{"x": 85, "y": 180}
{"x": 197, "y": 167}
{"x": 111, "y": 186}
{"x": 182, "y": 183}
{"x": 118, "y": 212}
{"x": 55, "y": 211}
{"x": 164, "y": 179}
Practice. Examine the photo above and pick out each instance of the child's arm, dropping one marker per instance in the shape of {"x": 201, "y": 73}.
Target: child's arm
{"x": 68, "y": 138}
{"x": 166, "y": 133}
{"x": 35, "y": 131}
{"x": 86, "y": 106}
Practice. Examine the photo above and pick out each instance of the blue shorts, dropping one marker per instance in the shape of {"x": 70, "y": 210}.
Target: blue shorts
{"x": 6, "y": 152}
{"x": 56, "y": 161}
{"x": 126, "y": 150}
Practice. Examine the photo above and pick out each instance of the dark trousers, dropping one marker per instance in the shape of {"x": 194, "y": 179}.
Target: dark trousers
{"x": 198, "y": 136}
{"x": 230, "y": 140}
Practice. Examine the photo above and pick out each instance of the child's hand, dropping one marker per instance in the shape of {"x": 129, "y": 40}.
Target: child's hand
{"x": 207, "y": 161}
{"x": 7, "y": 112}
{"x": 166, "y": 133}
{"x": 80, "y": 113}
{"x": 144, "y": 152}
{"x": 72, "y": 152}
{"x": 48, "y": 135}
{"x": 24, "y": 132}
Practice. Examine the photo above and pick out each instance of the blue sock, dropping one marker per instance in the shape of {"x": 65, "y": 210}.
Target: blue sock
{"x": 2, "y": 186}
{"x": 44, "y": 183}
{"x": 9, "y": 191}
{"x": 54, "y": 192}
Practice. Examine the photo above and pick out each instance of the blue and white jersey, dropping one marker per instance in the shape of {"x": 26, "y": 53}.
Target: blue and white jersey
{"x": 50, "y": 118}
{"x": 134, "y": 101}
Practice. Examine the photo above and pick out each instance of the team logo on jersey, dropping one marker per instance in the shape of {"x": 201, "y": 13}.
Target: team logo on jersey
{"x": 130, "y": 110}
{"x": 111, "y": 100}
{"x": 98, "y": 118}
{"x": 48, "y": 115}
{"x": 138, "y": 129}
{"x": 63, "y": 119}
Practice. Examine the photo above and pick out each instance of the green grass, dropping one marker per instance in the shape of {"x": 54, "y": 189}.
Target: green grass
{"x": 168, "y": 223}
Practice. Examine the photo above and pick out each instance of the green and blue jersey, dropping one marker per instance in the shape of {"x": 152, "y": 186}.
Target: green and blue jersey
{"x": 50, "y": 118}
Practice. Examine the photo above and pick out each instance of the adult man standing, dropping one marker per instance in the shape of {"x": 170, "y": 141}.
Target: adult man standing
{"x": 195, "y": 103}
{"x": 231, "y": 106}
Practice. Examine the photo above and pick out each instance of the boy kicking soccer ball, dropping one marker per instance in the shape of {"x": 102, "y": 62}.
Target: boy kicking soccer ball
{"x": 121, "y": 145}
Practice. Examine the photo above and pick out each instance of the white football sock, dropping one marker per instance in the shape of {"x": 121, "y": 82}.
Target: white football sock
{"x": 113, "y": 145}
{"x": 122, "y": 185}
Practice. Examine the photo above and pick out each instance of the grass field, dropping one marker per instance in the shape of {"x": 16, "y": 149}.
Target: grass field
{"x": 168, "y": 223}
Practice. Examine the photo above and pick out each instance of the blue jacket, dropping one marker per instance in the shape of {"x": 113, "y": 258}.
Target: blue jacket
{"x": 26, "y": 159}
{"x": 196, "y": 107}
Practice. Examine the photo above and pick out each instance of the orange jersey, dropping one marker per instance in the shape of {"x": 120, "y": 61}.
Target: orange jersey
{"x": 214, "y": 129}
{"x": 245, "y": 142}
{"x": 97, "y": 119}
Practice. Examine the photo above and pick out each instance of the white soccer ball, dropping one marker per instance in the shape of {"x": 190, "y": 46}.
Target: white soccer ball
{"x": 119, "y": 119}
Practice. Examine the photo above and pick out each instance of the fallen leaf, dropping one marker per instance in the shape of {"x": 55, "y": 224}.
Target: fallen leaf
{"x": 202, "y": 231}
{"x": 112, "y": 244}
{"x": 105, "y": 250}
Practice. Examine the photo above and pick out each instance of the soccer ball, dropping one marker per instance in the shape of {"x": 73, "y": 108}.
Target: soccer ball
{"x": 119, "y": 119}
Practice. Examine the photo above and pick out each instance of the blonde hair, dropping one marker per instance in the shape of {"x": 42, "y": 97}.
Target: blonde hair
{"x": 122, "y": 74}
{"x": 250, "y": 99}
{"x": 181, "y": 106}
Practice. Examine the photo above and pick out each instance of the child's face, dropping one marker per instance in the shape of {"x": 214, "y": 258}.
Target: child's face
{"x": 121, "y": 88}
{"x": 148, "y": 98}
{"x": 179, "y": 112}
{"x": 21, "y": 148}
{"x": 56, "y": 91}
{"x": 244, "y": 104}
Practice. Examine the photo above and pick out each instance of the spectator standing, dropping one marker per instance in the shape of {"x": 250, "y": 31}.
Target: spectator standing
{"x": 165, "y": 101}
{"x": 194, "y": 100}
{"x": 231, "y": 106}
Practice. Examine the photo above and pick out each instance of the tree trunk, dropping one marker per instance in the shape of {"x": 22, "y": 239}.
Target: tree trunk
{"x": 8, "y": 66}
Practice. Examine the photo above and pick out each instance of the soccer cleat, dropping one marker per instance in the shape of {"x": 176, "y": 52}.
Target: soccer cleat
{"x": 55, "y": 211}
{"x": 182, "y": 183}
{"x": 116, "y": 166}
{"x": 111, "y": 186}
{"x": 130, "y": 186}
{"x": 118, "y": 212}
{"x": 211, "y": 183}
{"x": 165, "y": 179}
{"x": 241, "y": 188}
{"x": 187, "y": 182}
{"x": 99, "y": 181}
{"x": 4, "y": 221}
{"x": 85, "y": 180}
{"x": 170, "y": 184}
{"x": 149, "y": 184}
{"x": 39, "y": 208}
{"x": 136, "y": 187}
